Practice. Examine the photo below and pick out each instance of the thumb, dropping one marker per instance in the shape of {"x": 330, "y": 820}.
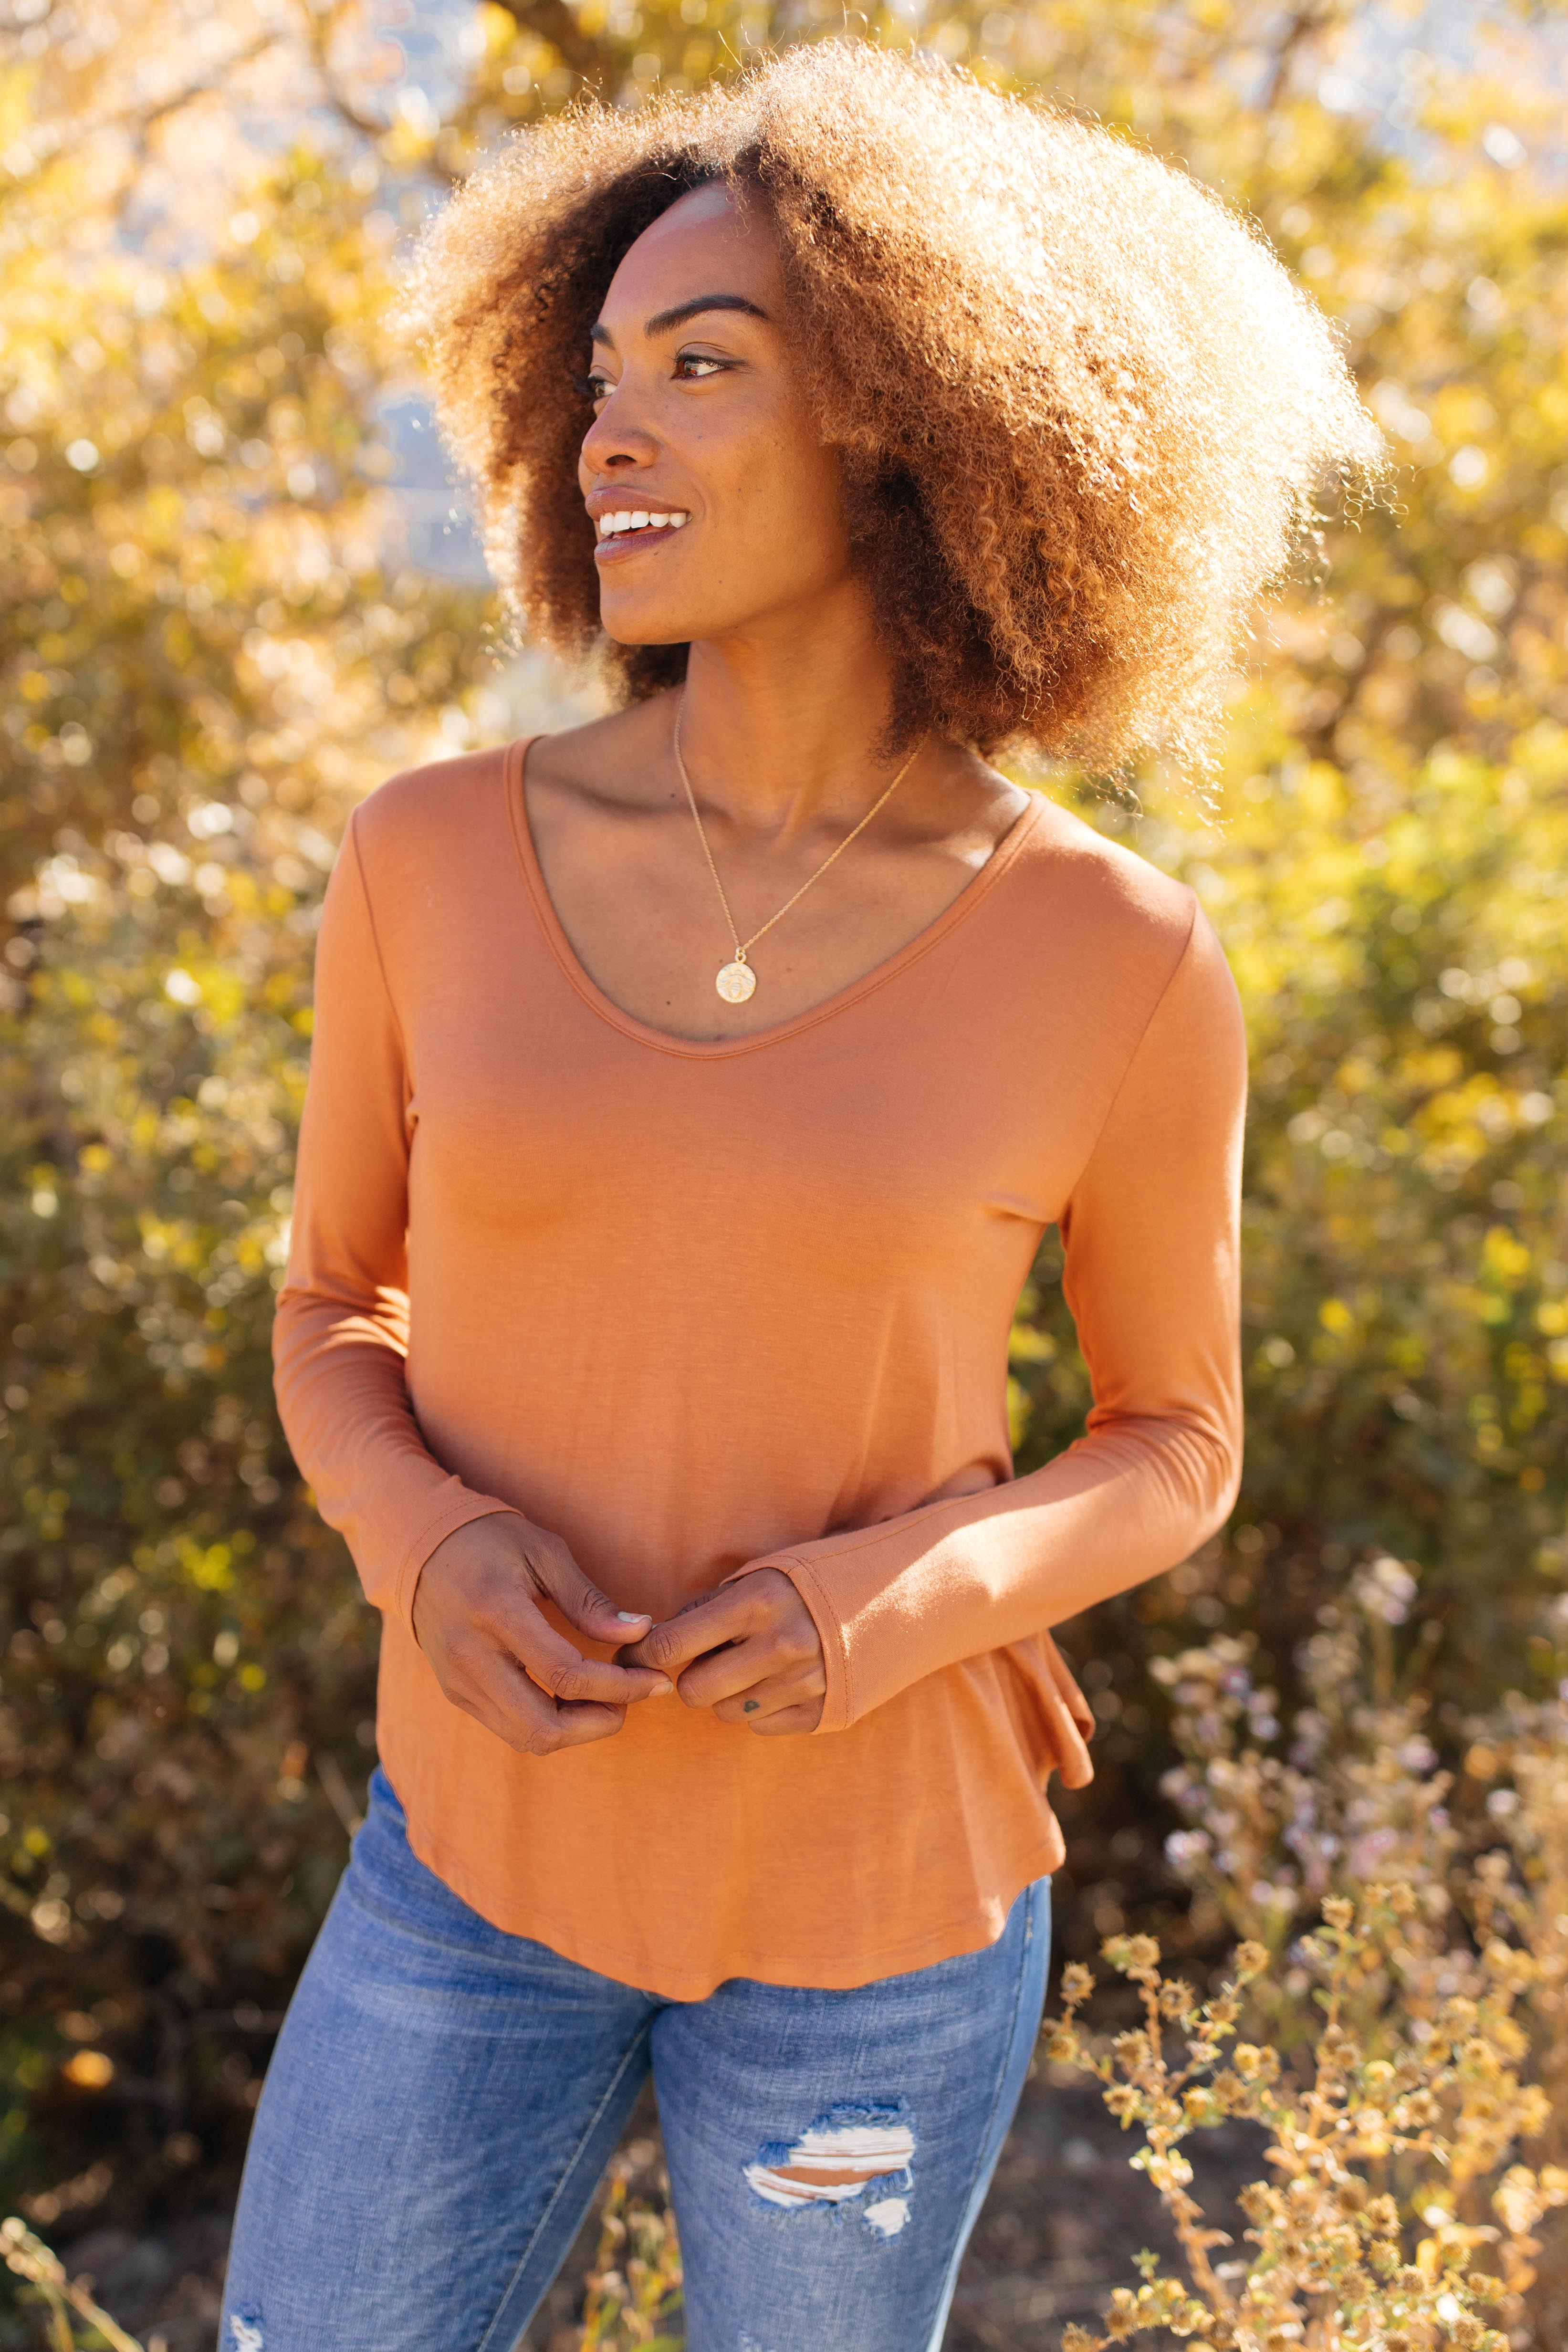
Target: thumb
{"x": 583, "y": 1605}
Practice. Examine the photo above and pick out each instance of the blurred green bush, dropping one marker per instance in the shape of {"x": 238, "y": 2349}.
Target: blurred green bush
{"x": 210, "y": 647}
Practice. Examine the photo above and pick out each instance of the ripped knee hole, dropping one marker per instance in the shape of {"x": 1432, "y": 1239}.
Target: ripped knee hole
{"x": 846, "y": 2153}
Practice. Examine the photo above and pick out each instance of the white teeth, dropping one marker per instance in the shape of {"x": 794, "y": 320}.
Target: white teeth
{"x": 612, "y": 526}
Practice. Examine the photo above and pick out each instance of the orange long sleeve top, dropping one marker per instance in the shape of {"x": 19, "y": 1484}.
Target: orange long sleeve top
{"x": 701, "y": 1308}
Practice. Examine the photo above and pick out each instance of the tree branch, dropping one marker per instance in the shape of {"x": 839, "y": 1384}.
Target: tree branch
{"x": 556, "y": 22}
{"x": 1302, "y": 26}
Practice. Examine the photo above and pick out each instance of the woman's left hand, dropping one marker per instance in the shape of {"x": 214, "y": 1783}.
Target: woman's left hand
{"x": 749, "y": 1651}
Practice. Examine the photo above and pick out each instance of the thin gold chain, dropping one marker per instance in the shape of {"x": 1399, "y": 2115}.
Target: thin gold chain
{"x": 742, "y": 945}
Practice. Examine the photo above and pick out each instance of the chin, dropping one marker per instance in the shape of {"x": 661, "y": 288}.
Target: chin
{"x": 630, "y": 627}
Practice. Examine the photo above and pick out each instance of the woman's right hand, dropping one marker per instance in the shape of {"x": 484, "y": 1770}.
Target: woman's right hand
{"x": 476, "y": 1619}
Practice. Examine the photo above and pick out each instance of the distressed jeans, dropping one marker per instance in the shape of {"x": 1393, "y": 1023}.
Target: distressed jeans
{"x": 445, "y": 2097}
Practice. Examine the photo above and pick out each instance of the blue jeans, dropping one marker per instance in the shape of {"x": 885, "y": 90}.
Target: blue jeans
{"x": 445, "y": 2098}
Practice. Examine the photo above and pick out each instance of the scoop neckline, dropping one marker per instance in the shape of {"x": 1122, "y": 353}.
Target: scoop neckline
{"x": 705, "y": 1049}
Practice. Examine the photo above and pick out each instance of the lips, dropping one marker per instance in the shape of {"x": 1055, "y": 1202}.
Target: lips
{"x": 622, "y": 530}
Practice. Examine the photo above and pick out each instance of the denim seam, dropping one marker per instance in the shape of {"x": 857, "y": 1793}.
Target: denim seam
{"x": 566, "y": 2170}
{"x": 943, "y": 2292}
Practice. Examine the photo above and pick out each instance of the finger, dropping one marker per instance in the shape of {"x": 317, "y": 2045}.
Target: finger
{"x": 727, "y": 1615}
{"x": 562, "y": 1671}
{"x": 789, "y": 1720}
{"x": 633, "y": 1652}
{"x": 736, "y": 1671}
{"x": 507, "y": 1703}
{"x": 776, "y": 1695}
{"x": 580, "y": 1601}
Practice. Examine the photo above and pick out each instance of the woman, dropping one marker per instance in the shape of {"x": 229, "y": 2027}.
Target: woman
{"x": 690, "y": 1092}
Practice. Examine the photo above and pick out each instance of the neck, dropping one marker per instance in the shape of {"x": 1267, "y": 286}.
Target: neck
{"x": 779, "y": 726}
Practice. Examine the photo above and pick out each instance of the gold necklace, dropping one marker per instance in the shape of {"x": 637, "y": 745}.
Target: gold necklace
{"x": 736, "y": 981}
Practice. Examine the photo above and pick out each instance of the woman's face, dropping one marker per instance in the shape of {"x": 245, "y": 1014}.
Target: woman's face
{"x": 699, "y": 418}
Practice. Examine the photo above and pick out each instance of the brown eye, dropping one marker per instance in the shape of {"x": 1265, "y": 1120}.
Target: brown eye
{"x": 694, "y": 367}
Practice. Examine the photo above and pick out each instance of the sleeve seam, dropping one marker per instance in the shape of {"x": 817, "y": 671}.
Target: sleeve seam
{"x": 351, "y": 842}
{"x": 1153, "y": 1015}
{"x": 803, "y": 1569}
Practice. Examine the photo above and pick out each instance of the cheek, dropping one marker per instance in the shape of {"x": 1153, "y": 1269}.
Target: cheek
{"x": 787, "y": 503}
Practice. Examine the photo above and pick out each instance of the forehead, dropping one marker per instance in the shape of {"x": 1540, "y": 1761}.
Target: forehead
{"x": 711, "y": 241}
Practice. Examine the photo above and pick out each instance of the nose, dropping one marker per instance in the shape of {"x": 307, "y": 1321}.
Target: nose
{"x": 615, "y": 442}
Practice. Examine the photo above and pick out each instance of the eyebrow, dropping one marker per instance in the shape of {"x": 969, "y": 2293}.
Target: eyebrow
{"x": 663, "y": 321}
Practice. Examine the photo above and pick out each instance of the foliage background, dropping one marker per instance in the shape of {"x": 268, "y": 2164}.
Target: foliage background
{"x": 222, "y": 619}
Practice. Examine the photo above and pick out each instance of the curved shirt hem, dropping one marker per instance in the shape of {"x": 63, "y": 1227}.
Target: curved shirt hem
{"x": 951, "y": 1943}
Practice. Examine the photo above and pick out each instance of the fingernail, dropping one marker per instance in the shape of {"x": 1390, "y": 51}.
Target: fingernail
{"x": 662, "y": 1688}
{"x": 634, "y": 1617}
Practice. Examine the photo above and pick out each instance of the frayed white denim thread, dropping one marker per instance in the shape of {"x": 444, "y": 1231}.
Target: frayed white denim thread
{"x": 854, "y": 2149}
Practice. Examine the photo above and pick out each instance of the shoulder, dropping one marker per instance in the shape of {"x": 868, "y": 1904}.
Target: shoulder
{"x": 419, "y": 805}
{"x": 446, "y": 810}
{"x": 1116, "y": 908}
{"x": 1128, "y": 947}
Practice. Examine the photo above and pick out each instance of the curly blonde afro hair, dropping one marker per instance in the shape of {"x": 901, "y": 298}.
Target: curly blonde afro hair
{"x": 1082, "y": 412}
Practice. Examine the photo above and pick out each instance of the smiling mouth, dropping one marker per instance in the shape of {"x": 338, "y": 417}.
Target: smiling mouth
{"x": 631, "y": 527}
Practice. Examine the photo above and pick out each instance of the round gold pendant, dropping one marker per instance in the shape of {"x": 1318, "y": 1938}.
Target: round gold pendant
{"x": 735, "y": 983}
